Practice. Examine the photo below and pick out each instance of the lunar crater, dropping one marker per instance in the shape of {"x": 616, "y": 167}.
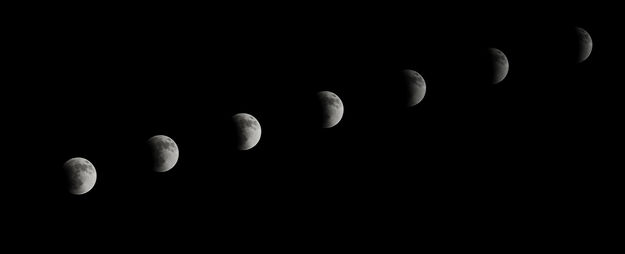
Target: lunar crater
{"x": 249, "y": 123}
{"x": 333, "y": 101}
{"x": 166, "y": 144}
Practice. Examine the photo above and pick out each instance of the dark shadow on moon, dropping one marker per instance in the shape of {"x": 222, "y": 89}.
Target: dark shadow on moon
{"x": 330, "y": 108}
{"x": 413, "y": 77}
{"x": 76, "y": 169}
{"x": 247, "y": 121}
{"x": 583, "y": 45}
{"x": 165, "y": 144}
{"x": 401, "y": 89}
{"x": 489, "y": 66}
{"x": 331, "y": 99}
{"x": 499, "y": 58}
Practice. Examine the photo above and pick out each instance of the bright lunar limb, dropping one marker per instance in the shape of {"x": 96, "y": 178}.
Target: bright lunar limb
{"x": 500, "y": 65}
{"x": 164, "y": 152}
{"x": 81, "y": 175}
{"x": 247, "y": 131}
{"x": 331, "y": 109}
{"x": 415, "y": 87}
{"x": 584, "y": 45}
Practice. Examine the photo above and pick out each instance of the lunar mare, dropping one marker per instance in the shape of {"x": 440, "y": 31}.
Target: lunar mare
{"x": 81, "y": 175}
{"x": 500, "y": 65}
{"x": 331, "y": 109}
{"x": 415, "y": 87}
{"x": 248, "y": 131}
{"x": 584, "y": 45}
{"x": 164, "y": 152}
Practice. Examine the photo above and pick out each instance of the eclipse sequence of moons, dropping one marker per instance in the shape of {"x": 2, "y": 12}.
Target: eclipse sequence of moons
{"x": 81, "y": 174}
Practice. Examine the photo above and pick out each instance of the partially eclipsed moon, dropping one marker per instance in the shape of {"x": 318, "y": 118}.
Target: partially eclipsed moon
{"x": 247, "y": 129}
{"x": 81, "y": 175}
{"x": 164, "y": 151}
{"x": 500, "y": 65}
{"x": 584, "y": 45}
{"x": 415, "y": 87}
{"x": 331, "y": 108}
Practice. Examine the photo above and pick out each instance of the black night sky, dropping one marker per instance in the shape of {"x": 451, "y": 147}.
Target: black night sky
{"x": 472, "y": 161}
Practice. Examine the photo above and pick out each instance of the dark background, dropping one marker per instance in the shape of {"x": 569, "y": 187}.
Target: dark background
{"x": 515, "y": 163}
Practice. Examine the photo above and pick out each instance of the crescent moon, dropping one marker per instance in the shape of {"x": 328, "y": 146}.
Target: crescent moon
{"x": 415, "y": 87}
{"x": 164, "y": 152}
{"x": 584, "y": 45}
{"x": 248, "y": 131}
{"x": 331, "y": 109}
{"x": 500, "y": 65}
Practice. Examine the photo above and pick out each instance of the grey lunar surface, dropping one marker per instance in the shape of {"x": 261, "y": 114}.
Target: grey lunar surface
{"x": 416, "y": 87}
{"x": 331, "y": 109}
{"x": 248, "y": 131}
{"x": 81, "y": 175}
{"x": 164, "y": 151}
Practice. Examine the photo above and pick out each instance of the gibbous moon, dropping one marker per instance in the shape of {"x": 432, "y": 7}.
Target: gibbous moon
{"x": 415, "y": 87}
{"x": 247, "y": 131}
{"x": 164, "y": 152}
{"x": 500, "y": 65}
{"x": 584, "y": 45}
{"x": 331, "y": 108}
{"x": 81, "y": 175}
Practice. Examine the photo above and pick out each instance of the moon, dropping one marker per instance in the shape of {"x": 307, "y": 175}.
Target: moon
{"x": 499, "y": 66}
{"x": 584, "y": 45}
{"x": 331, "y": 109}
{"x": 247, "y": 131}
{"x": 81, "y": 175}
{"x": 164, "y": 152}
{"x": 415, "y": 87}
